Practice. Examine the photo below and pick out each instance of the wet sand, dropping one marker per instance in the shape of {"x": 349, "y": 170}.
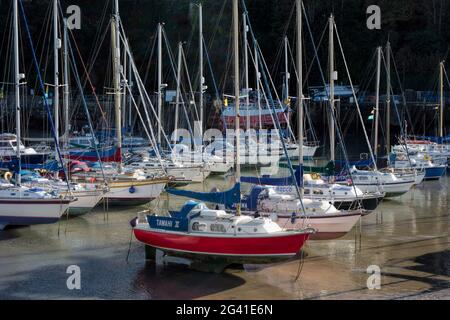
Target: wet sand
{"x": 408, "y": 238}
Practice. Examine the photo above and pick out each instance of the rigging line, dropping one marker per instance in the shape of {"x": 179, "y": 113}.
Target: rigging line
{"x": 136, "y": 74}
{"x": 150, "y": 135}
{"x": 216, "y": 27}
{"x": 30, "y": 40}
{"x": 99, "y": 39}
{"x": 141, "y": 88}
{"x": 74, "y": 68}
{"x": 277, "y": 122}
{"x": 402, "y": 130}
{"x": 403, "y": 92}
{"x": 340, "y": 137}
{"x": 253, "y": 59}
{"x": 190, "y": 85}
{"x": 264, "y": 68}
{"x": 285, "y": 34}
{"x": 354, "y": 96}
{"x": 88, "y": 78}
{"x": 349, "y": 116}
{"x": 308, "y": 115}
{"x": 216, "y": 89}
{"x": 174, "y": 70}
{"x": 147, "y": 69}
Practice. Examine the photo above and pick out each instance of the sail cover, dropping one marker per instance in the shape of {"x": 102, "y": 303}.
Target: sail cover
{"x": 283, "y": 181}
{"x": 228, "y": 198}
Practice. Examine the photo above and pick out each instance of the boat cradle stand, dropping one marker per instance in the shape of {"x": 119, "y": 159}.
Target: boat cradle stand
{"x": 207, "y": 265}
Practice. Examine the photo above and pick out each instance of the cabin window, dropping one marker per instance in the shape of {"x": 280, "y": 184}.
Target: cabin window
{"x": 196, "y": 226}
{"x": 318, "y": 191}
{"x": 307, "y": 191}
{"x": 218, "y": 228}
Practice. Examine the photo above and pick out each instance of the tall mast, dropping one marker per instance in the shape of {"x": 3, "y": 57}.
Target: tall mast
{"x": 115, "y": 28}
{"x": 442, "y": 104}
{"x": 331, "y": 97}
{"x": 236, "y": 93}
{"x": 66, "y": 85}
{"x": 201, "y": 75}
{"x": 300, "y": 85}
{"x": 388, "y": 97}
{"x": 130, "y": 98}
{"x": 377, "y": 102}
{"x": 286, "y": 68}
{"x": 247, "y": 85}
{"x": 177, "y": 101}
{"x": 17, "y": 78}
{"x": 124, "y": 93}
{"x": 159, "y": 82}
{"x": 56, "y": 47}
{"x": 258, "y": 77}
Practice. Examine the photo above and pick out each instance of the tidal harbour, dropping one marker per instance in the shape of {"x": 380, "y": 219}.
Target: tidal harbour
{"x": 224, "y": 150}
{"x": 408, "y": 238}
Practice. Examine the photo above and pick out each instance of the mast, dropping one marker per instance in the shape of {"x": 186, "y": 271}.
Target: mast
{"x": 441, "y": 111}
{"x": 177, "y": 101}
{"x": 247, "y": 99}
{"x": 115, "y": 29}
{"x": 258, "y": 77}
{"x": 66, "y": 89}
{"x": 130, "y": 97}
{"x": 236, "y": 93}
{"x": 124, "y": 93}
{"x": 388, "y": 97}
{"x": 202, "y": 78}
{"x": 331, "y": 97}
{"x": 56, "y": 47}
{"x": 377, "y": 102}
{"x": 17, "y": 79}
{"x": 286, "y": 68}
{"x": 300, "y": 86}
{"x": 159, "y": 82}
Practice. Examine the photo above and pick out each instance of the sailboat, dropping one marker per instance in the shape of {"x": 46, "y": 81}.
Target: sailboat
{"x": 127, "y": 186}
{"x": 368, "y": 181}
{"x": 200, "y": 232}
{"x": 425, "y": 155}
{"x": 20, "y": 205}
{"x": 298, "y": 207}
{"x": 291, "y": 210}
{"x": 183, "y": 169}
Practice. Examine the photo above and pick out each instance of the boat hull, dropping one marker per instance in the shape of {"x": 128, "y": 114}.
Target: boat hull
{"x": 327, "y": 227}
{"x": 392, "y": 190}
{"x": 367, "y": 203}
{"x": 434, "y": 173}
{"x": 308, "y": 152}
{"x": 248, "y": 248}
{"x": 133, "y": 193}
{"x": 31, "y": 212}
{"x": 85, "y": 202}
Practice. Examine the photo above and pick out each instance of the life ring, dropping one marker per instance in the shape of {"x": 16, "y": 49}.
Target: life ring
{"x": 8, "y": 176}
